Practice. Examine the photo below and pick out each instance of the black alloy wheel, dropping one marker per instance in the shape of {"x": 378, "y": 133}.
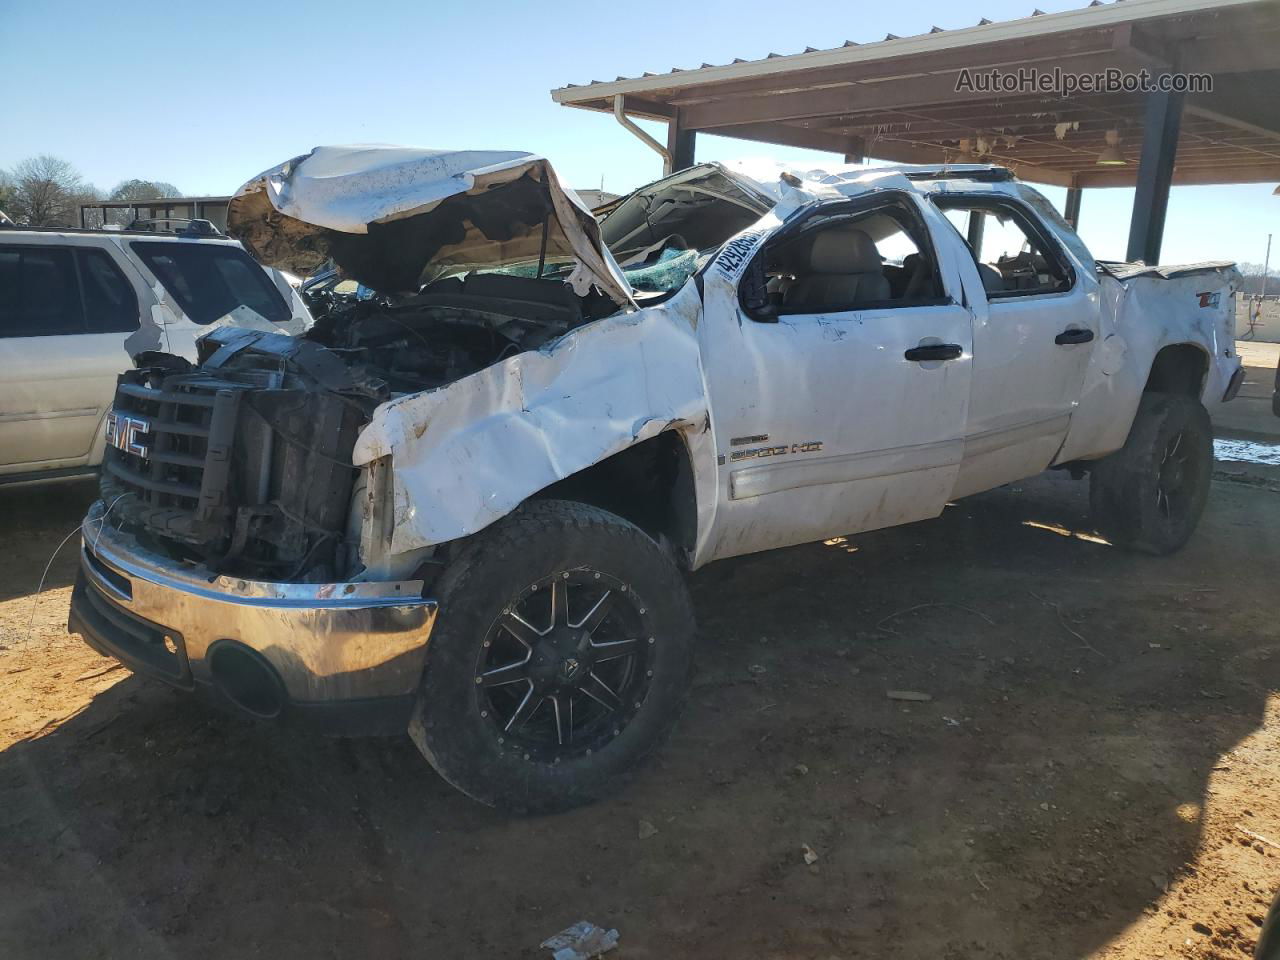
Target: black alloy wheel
{"x": 561, "y": 656}
{"x": 565, "y": 667}
{"x": 1172, "y": 486}
{"x": 1149, "y": 495}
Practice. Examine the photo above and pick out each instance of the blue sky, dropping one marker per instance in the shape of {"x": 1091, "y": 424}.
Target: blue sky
{"x": 205, "y": 95}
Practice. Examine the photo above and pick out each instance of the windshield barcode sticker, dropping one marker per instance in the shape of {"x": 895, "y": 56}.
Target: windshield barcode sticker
{"x": 735, "y": 254}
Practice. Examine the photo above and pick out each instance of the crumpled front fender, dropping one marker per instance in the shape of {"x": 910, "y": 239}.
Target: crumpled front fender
{"x": 466, "y": 454}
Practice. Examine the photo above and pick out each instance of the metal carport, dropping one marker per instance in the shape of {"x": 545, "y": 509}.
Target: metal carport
{"x": 901, "y": 99}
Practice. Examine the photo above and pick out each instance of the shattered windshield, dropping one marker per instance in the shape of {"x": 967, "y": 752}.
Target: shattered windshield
{"x": 670, "y": 272}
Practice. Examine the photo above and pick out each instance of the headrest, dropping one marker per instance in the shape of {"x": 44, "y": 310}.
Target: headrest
{"x": 843, "y": 250}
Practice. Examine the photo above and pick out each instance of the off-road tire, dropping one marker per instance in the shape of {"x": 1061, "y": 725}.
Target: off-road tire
{"x": 1126, "y": 490}
{"x": 540, "y": 539}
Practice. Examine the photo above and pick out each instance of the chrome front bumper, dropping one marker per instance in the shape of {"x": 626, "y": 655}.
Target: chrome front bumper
{"x": 327, "y": 643}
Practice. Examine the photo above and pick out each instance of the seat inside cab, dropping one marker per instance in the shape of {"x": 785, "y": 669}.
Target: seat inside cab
{"x": 843, "y": 262}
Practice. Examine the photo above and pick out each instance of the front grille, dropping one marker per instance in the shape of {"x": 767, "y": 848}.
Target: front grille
{"x": 242, "y": 463}
{"x": 179, "y": 480}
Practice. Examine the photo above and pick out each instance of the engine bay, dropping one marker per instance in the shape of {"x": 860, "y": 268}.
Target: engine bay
{"x": 453, "y": 328}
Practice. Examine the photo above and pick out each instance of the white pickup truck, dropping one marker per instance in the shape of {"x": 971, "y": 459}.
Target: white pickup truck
{"x": 465, "y": 508}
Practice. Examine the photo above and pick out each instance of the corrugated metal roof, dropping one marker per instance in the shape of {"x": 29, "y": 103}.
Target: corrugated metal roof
{"x": 1096, "y": 13}
{"x": 898, "y": 99}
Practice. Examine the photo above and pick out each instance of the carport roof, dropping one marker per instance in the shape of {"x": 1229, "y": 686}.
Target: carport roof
{"x": 897, "y": 99}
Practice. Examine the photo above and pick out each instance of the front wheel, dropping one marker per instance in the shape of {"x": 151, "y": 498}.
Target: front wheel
{"x": 562, "y": 655}
{"x": 1149, "y": 495}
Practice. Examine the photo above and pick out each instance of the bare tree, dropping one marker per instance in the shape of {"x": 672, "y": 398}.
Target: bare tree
{"x": 47, "y": 191}
{"x": 1253, "y": 285}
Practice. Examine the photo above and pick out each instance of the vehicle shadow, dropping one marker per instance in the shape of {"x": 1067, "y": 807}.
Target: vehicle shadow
{"x": 33, "y": 519}
{"x": 1034, "y": 807}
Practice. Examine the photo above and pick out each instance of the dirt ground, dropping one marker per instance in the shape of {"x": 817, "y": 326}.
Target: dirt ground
{"x": 1094, "y": 776}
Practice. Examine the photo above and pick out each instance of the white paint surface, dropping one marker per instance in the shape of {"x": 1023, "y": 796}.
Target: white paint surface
{"x": 897, "y": 439}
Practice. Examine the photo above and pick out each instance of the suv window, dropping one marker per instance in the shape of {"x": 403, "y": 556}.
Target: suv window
{"x": 841, "y": 260}
{"x": 110, "y": 305}
{"x": 39, "y": 295}
{"x": 210, "y": 280}
{"x": 1014, "y": 257}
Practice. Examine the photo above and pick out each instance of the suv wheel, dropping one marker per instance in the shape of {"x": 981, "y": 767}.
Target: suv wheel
{"x": 1149, "y": 495}
{"x": 561, "y": 656}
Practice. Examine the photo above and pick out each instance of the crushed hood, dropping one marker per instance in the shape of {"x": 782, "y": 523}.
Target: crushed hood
{"x": 395, "y": 218}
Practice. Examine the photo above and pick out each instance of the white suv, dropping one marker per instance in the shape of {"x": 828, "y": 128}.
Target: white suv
{"x": 76, "y": 305}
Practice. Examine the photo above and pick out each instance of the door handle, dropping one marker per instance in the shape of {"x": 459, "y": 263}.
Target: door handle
{"x": 934, "y": 351}
{"x": 1073, "y": 336}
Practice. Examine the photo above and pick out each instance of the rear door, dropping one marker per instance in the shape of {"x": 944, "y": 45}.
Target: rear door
{"x": 1035, "y": 327}
{"x": 65, "y": 311}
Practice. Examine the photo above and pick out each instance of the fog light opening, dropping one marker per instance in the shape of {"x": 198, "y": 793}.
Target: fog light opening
{"x": 246, "y": 679}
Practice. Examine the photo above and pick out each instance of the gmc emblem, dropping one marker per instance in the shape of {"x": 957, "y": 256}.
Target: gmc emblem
{"x": 127, "y": 433}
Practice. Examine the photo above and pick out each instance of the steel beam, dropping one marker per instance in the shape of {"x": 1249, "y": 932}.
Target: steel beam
{"x": 1155, "y": 173}
{"x": 856, "y": 152}
{"x": 1072, "y": 212}
{"x": 680, "y": 143}
{"x": 1184, "y": 175}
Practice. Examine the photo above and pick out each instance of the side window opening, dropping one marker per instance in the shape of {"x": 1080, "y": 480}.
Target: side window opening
{"x": 837, "y": 261}
{"x": 110, "y": 305}
{"x": 1013, "y": 256}
{"x": 210, "y": 280}
{"x": 39, "y": 294}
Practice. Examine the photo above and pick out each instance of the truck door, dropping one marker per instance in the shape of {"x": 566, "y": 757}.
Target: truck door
{"x": 838, "y": 366}
{"x": 64, "y": 314}
{"x": 1035, "y": 326}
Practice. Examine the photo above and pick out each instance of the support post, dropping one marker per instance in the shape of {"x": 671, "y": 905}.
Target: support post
{"x": 1072, "y": 213}
{"x": 1162, "y": 121}
{"x": 857, "y": 152}
{"x": 680, "y": 144}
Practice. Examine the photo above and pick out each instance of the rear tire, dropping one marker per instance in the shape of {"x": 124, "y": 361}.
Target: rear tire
{"x": 1149, "y": 495}
{"x": 532, "y": 698}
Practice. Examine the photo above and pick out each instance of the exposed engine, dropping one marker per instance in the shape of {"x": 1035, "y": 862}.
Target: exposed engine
{"x": 243, "y": 462}
{"x": 452, "y": 329}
